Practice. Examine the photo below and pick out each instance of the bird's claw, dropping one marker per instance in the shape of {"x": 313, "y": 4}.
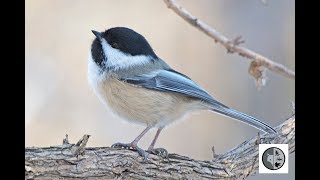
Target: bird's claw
{"x": 122, "y": 145}
{"x": 159, "y": 152}
{"x": 140, "y": 151}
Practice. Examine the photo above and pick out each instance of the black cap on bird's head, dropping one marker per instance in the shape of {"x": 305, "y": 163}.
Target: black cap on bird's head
{"x": 124, "y": 39}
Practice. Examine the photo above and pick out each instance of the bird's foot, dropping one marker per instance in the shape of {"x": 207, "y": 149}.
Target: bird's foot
{"x": 131, "y": 146}
{"x": 159, "y": 152}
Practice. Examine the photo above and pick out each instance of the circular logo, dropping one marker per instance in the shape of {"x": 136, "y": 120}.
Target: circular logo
{"x": 273, "y": 158}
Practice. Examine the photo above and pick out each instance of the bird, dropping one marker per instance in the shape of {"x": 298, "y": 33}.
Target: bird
{"x": 137, "y": 85}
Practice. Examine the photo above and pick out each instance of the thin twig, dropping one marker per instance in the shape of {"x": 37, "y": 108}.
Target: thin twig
{"x": 78, "y": 148}
{"x": 229, "y": 44}
{"x": 65, "y": 140}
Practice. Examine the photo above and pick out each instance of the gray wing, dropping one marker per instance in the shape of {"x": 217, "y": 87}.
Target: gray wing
{"x": 172, "y": 81}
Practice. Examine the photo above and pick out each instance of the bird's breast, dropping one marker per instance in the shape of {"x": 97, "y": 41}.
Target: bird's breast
{"x": 141, "y": 105}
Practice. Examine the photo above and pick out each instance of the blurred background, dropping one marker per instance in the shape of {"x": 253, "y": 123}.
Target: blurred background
{"x": 59, "y": 100}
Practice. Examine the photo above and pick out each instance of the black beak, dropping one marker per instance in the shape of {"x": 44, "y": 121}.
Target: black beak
{"x": 97, "y": 34}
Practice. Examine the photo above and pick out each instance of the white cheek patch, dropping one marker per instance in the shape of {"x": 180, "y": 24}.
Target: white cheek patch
{"x": 119, "y": 60}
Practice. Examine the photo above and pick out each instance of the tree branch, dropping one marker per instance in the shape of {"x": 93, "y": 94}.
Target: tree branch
{"x": 233, "y": 45}
{"x": 105, "y": 163}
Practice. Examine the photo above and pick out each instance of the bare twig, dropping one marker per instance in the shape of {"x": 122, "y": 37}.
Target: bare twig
{"x": 65, "y": 141}
{"x": 78, "y": 149}
{"x": 214, "y": 155}
{"x": 57, "y": 162}
{"x": 230, "y": 45}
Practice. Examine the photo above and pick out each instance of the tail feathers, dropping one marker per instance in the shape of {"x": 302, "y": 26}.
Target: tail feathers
{"x": 245, "y": 118}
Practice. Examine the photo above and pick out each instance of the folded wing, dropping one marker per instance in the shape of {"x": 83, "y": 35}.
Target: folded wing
{"x": 172, "y": 81}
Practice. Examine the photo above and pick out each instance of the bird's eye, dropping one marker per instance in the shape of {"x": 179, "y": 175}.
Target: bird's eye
{"x": 114, "y": 45}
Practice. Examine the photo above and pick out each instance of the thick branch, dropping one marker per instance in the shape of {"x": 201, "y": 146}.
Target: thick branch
{"x": 106, "y": 163}
{"x": 230, "y": 45}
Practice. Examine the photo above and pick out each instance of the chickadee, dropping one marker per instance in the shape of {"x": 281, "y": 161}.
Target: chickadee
{"x": 140, "y": 87}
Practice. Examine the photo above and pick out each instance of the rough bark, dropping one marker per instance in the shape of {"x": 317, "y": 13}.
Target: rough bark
{"x": 59, "y": 162}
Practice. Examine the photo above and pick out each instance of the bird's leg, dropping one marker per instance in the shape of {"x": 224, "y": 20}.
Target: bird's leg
{"x": 134, "y": 144}
{"x": 154, "y": 139}
{"x": 157, "y": 151}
